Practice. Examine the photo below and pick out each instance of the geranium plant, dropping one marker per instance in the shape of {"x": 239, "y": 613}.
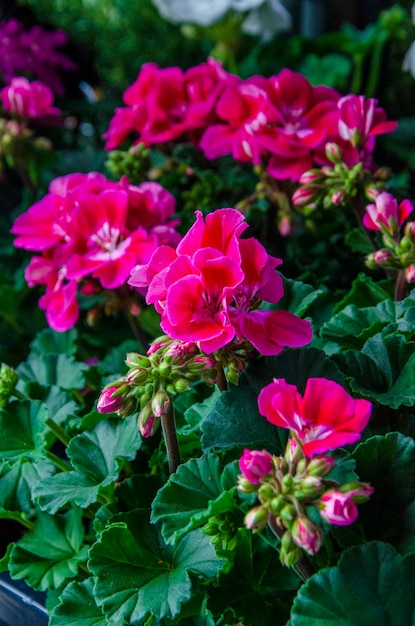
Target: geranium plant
{"x": 213, "y": 419}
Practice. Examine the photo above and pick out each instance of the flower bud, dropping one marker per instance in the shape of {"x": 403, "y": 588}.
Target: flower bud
{"x": 320, "y": 466}
{"x": 302, "y": 197}
{"x": 338, "y": 197}
{"x": 306, "y": 534}
{"x": 256, "y": 518}
{"x": 137, "y": 360}
{"x": 245, "y": 485}
{"x": 410, "y": 273}
{"x": 311, "y": 487}
{"x": 108, "y": 403}
{"x": 255, "y": 464}
{"x": 290, "y": 553}
{"x": 338, "y": 508}
{"x": 265, "y": 492}
{"x": 310, "y": 177}
{"x": 181, "y": 385}
{"x": 288, "y": 513}
{"x": 160, "y": 403}
{"x": 147, "y": 423}
{"x": 333, "y": 152}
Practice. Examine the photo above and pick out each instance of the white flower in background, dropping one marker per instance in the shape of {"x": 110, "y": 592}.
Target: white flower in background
{"x": 408, "y": 64}
{"x": 266, "y": 17}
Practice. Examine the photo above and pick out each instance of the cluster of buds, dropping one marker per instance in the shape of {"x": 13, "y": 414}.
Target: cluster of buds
{"x": 8, "y": 382}
{"x": 133, "y": 163}
{"x": 335, "y": 184}
{"x": 153, "y": 380}
{"x": 16, "y": 141}
{"x": 287, "y": 486}
{"x": 388, "y": 217}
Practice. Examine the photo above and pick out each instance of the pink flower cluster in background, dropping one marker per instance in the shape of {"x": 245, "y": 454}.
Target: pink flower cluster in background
{"x": 325, "y": 417}
{"x": 93, "y": 231}
{"x": 282, "y": 122}
{"x": 209, "y": 288}
{"x": 34, "y": 53}
{"x": 28, "y": 99}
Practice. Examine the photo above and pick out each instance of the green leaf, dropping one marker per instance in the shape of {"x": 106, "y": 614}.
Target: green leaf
{"x": 61, "y": 370}
{"x": 18, "y": 480}
{"x": 297, "y": 298}
{"x": 77, "y": 606}
{"x": 383, "y": 371}
{"x": 387, "y": 463}
{"x": 258, "y": 588}
{"x": 234, "y": 419}
{"x": 358, "y": 241}
{"x": 365, "y": 292}
{"x": 138, "y": 576}
{"x": 97, "y": 457}
{"x": 49, "y": 341}
{"x": 22, "y": 427}
{"x": 353, "y": 325}
{"x": 198, "y": 490}
{"x": 371, "y": 584}
{"x": 48, "y": 555}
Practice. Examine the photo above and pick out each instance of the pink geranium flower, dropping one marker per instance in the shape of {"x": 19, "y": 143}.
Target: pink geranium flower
{"x": 360, "y": 121}
{"x": 208, "y": 289}
{"x": 91, "y": 232}
{"x": 324, "y": 418}
{"x": 339, "y": 507}
{"x": 28, "y": 99}
{"x": 164, "y": 103}
{"x": 386, "y": 215}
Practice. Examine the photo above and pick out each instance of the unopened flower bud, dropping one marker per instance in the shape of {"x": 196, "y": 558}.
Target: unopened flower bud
{"x": 255, "y": 464}
{"x": 137, "y": 376}
{"x": 293, "y": 452}
{"x": 147, "y": 422}
{"x": 288, "y": 513}
{"x": 160, "y": 403}
{"x": 320, "y": 466}
{"x": 306, "y": 534}
{"x": 310, "y": 177}
{"x": 245, "y": 485}
{"x": 333, "y": 153}
{"x": 286, "y": 225}
{"x": 302, "y": 197}
{"x": 410, "y": 273}
{"x": 338, "y": 197}
{"x": 181, "y": 385}
{"x": 265, "y": 492}
{"x": 290, "y": 553}
{"x": 8, "y": 381}
{"x": 256, "y": 518}
{"x": 108, "y": 403}
{"x": 311, "y": 487}
{"x": 137, "y": 360}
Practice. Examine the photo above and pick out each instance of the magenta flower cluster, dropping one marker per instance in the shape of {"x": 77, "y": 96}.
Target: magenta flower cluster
{"x": 35, "y": 53}
{"x": 91, "y": 231}
{"x": 282, "y": 122}
{"x": 29, "y": 99}
{"x": 209, "y": 288}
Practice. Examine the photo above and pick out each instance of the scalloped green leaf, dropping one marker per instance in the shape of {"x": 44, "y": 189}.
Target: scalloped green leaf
{"x": 139, "y": 576}
{"x": 198, "y": 490}
{"x": 388, "y": 463}
{"x": 18, "y": 480}
{"x": 258, "y": 588}
{"x": 97, "y": 457}
{"x": 383, "y": 371}
{"x": 61, "y": 370}
{"x": 234, "y": 419}
{"x": 22, "y": 427}
{"x": 77, "y": 606}
{"x": 371, "y": 584}
{"x": 48, "y": 341}
{"x": 50, "y": 554}
{"x": 353, "y": 325}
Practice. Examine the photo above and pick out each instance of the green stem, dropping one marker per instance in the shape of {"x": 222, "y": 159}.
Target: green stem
{"x": 63, "y": 465}
{"x": 375, "y": 69}
{"x": 222, "y": 383}
{"x": 401, "y": 286}
{"x": 19, "y": 395}
{"x": 20, "y": 517}
{"x": 303, "y": 567}
{"x": 57, "y": 431}
{"x": 170, "y": 437}
{"x": 139, "y": 335}
{"x": 357, "y": 79}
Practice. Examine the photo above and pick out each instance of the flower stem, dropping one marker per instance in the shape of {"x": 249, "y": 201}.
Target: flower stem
{"x": 137, "y": 331}
{"x": 401, "y": 286}
{"x": 63, "y": 465}
{"x": 57, "y": 431}
{"x": 303, "y": 567}
{"x": 221, "y": 382}
{"x": 170, "y": 437}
